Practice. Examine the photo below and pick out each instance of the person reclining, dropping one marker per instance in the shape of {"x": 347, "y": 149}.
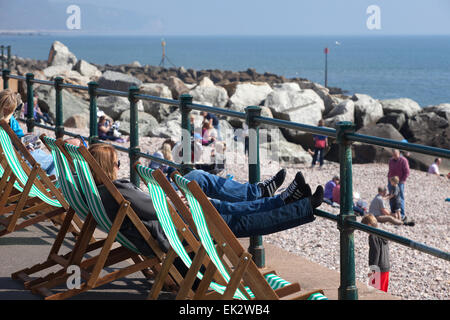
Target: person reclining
{"x": 248, "y": 209}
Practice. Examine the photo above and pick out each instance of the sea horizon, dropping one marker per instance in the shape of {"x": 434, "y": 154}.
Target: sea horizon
{"x": 384, "y": 67}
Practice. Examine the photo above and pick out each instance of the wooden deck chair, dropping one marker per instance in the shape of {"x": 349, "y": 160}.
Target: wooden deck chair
{"x": 25, "y": 190}
{"x": 182, "y": 240}
{"x": 85, "y": 243}
{"x": 230, "y": 258}
{"x": 83, "y": 163}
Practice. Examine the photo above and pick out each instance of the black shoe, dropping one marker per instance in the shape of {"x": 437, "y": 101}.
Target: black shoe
{"x": 408, "y": 222}
{"x": 298, "y": 189}
{"x": 269, "y": 186}
{"x": 317, "y": 197}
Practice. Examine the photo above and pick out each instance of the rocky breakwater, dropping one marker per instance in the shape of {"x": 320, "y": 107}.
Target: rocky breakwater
{"x": 294, "y": 99}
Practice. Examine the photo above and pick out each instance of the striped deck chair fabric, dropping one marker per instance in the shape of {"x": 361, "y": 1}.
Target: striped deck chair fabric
{"x": 16, "y": 167}
{"x": 90, "y": 191}
{"x": 162, "y": 211}
{"x": 203, "y": 232}
{"x": 66, "y": 180}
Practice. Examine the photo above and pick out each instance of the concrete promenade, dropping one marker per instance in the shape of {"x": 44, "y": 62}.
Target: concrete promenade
{"x": 25, "y": 248}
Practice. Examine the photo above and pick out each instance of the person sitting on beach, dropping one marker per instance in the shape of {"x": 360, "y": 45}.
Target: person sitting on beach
{"x": 329, "y": 187}
{"x": 434, "y": 167}
{"x": 209, "y": 133}
{"x": 248, "y": 209}
{"x": 106, "y": 131}
{"x": 212, "y": 119}
{"x": 359, "y": 206}
{"x": 337, "y": 195}
{"x": 382, "y": 214}
{"x": 38, "y": 114}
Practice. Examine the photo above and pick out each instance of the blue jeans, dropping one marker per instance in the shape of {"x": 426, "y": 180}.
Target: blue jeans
{"x": 245, "y": 212}
{"x": 318, "y": 152}
{"x": 402, "y": 197}
{"x": 45, "y": 160}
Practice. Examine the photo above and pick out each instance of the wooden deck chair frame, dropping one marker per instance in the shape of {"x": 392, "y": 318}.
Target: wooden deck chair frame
{"x": 38, "y": 194}
{"x": 91, "y": 268}
{"x": 228, "y": 251}
{"x": 84, "y": 244}
{"x": 182, "y": 239}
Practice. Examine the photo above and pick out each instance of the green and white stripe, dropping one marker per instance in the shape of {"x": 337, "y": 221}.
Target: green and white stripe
{"x": 197, "y": 213}
{"x": 66, "y": 180}
{"x": 162, "y": 211}
{"x": 317, "y": 296}
{"x": 18, "y": 171}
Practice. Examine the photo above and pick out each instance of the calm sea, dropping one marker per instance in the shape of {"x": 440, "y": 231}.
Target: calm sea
{"x": 417, "y": 67}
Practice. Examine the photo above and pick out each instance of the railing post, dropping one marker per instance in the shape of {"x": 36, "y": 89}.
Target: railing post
{"x": 30, "y": 102}
{"x": 347, "y": 289}
{"x": 2, "y": 52}
{"x": 59, "y": 127}
{"x": 134, "y": 134}
{"x": 9, "y": 57}
{"x": 5, "y": 76}
{"x": 185, "y": 100}
{"x": 256, "y": 248}
{"x": 93, "y": 129}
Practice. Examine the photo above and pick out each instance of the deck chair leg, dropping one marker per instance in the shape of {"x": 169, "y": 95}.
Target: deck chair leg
{"x": 108, "y": 244}
{"x": 191, "y": 275}
{"x": 22, "y": 200}
{"x": 236, "y": 276}
{"x": 200, "y": 293}
{"x": 83, "y": 240}
{"x": 162, "y": 275}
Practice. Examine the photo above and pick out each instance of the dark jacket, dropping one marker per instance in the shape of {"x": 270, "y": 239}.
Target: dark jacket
{"x": 142, "y": 204}
{"x": 379, "y": 253}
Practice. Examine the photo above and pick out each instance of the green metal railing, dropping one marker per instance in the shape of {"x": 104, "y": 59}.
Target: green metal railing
{"x": 6, "y": 58}
{"x": 344, "y": 134}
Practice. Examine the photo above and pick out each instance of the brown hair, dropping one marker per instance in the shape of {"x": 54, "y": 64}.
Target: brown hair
{"x": 8, "y": 103}
{"x": 370, "y": 220}
{"x": 106, "y": 157}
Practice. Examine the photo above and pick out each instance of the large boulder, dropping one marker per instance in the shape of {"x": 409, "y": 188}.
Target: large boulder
{"x": 396, "y": 119}
{"x": 209, "y": 94}
{"x": 86, "y": 69}
{"x": 403, "y": 105}
{"x": 168, "y": 129}
{"x": 284, "y": 151}
{"x": 249, "y": 94}
{"x": 79, "y": 121}
{"x": 158, "y": 110}
{"x": 365, "y": 153}
{"x": 344, "y": 111}
{"x": 60, "y": 55}
{"x": 117, "y": 81}
{"x": 367, "y": 110}
{"x": 114, "y": 106}
{"x": 292, "y": 104}
{"x": 146, "y": 123}
{"x": 72, "y": 104}
{"x": 442, "y": 110}
{"x": 428, "y": 128}
{"x": 177, "y": 87}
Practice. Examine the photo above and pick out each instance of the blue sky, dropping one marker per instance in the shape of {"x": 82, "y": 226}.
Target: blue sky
{"x": 230, "y": 17}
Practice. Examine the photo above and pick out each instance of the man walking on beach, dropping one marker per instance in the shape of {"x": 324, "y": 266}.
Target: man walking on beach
{"x": 399, "y": 166}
